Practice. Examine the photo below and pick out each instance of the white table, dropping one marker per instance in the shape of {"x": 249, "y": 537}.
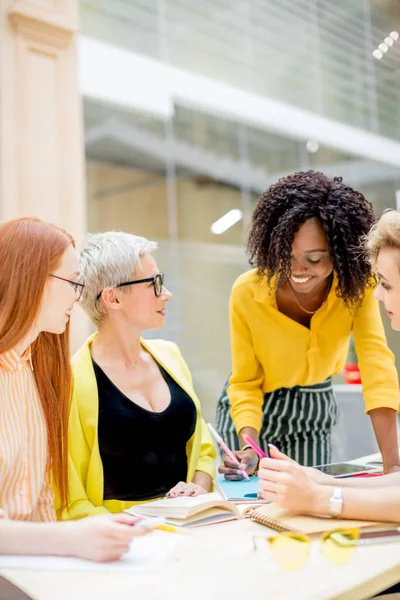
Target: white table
{"x": 219, "y": 562}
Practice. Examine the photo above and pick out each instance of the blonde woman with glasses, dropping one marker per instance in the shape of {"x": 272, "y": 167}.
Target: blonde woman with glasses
{"x": 136, "y": 429}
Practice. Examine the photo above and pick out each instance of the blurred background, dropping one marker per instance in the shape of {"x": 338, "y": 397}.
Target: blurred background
{"x": 159, "y": 117}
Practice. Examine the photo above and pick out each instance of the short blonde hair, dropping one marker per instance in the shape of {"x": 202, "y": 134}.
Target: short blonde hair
{"x": 107, "y": 260}
{"x": 384, "y": 234}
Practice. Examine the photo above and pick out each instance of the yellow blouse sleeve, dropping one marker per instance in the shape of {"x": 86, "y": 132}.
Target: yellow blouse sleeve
{"x": 378, "y": 372}
{"x": 207, "y": 455}
{"x": 78, "y": 463}
{"x": 245, "y": 389}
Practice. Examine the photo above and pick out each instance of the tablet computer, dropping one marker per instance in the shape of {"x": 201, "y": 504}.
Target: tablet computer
{"x": 344, "y": 469}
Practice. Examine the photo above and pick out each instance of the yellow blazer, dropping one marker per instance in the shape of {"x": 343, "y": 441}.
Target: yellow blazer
{"x": 85, "y": 466}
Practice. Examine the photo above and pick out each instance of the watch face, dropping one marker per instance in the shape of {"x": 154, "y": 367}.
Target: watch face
{"x": 335, "y": 506}
{"x": 335, "y": 502}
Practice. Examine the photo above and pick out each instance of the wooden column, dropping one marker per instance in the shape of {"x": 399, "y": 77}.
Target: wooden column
{"x": 41, "y": 128}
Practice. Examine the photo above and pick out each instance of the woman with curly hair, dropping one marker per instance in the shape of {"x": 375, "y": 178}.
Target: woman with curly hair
{"x": 291, "y": 318}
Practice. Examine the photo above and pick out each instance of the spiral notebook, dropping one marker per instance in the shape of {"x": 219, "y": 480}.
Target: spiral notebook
{"x": 281, "y": 519}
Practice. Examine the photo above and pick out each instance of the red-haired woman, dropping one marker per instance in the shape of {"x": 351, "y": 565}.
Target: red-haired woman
{"x": 38, "y": 289}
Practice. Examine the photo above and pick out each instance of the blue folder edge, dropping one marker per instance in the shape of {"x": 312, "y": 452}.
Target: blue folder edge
{"x": 246, "y": 490}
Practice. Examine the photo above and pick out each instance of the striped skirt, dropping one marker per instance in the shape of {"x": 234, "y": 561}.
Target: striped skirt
{"x": 297, "y": 420}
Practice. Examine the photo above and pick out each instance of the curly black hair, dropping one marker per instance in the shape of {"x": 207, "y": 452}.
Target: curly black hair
{"x": 344, "y": 213}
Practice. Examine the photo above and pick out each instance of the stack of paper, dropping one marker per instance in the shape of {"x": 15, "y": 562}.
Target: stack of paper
{"x": 146, "y": 553}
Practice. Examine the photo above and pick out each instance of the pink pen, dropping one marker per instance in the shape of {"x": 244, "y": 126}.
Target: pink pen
{"x": 256, "y": 448}
{"x": 225, "y": 448}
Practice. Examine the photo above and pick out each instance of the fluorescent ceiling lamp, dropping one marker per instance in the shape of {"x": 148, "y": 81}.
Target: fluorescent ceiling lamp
{"x": 312, "y": 146}
{"x": 226, "y": 221}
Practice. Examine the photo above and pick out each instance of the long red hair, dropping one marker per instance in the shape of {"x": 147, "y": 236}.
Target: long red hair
{"x": 30, "y": 249}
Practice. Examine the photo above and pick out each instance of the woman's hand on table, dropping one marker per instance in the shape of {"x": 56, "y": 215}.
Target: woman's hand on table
{"x": 247, "y": 460}
{"x": 186, "y": 489}
{"x": 393, "y": 469}
{"x": 103, "y": 538}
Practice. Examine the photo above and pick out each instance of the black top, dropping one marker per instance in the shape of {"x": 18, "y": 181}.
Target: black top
{"x": 143, "y": 452}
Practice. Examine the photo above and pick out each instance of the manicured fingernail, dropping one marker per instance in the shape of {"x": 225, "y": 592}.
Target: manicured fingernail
{"x": 192, "y": 493}
{"x": 182, "y": 492}
{"x": 167, "y": 494}
{"x": 272, "y": 446}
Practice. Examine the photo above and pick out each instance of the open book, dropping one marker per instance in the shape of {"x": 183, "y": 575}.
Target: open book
{"x": 281, "y": 519}
{"x": 192, "y": 512}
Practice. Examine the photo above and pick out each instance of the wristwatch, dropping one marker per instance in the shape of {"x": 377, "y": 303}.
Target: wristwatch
{"x": 335, "y": 505}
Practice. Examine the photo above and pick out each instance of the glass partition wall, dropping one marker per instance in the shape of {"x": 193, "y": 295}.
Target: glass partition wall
{"x": 172, "y": 181}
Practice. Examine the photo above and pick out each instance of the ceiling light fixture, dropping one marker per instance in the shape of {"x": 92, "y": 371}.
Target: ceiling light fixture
{"x": 226, "y": 221}
{"x": 384, "y": 46}
{"x": 312, "y": 146}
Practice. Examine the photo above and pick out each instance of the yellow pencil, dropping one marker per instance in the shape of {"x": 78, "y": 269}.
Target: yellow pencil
{"x": 170, "y": 528}
{"x": 156, "y": 523}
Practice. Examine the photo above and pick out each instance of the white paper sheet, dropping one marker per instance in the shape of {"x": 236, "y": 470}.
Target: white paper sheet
{"x": 146, "y": 553}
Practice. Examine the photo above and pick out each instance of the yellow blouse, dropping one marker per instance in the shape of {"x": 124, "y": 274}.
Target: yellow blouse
{"x": 271, "y": 351}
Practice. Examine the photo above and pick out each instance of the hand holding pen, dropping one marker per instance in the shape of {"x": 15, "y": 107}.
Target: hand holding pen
{"x": 256, "y": 448}
{"x": 235, "y": 464}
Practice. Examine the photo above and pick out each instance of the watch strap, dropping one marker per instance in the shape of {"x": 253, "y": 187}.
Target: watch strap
{"x": 335, "y": 505}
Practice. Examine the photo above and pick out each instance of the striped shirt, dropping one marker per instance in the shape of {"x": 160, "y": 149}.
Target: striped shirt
{"x": 25, "y": 491}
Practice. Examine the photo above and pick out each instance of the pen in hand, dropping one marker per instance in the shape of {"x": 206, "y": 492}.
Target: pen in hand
{"x": 255, "y": 447}
{"x": 225, "y": 448}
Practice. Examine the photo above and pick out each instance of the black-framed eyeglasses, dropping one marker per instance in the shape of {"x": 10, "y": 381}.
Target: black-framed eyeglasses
{"x": 156, "y": 280}
{"x": 78, "y": 287}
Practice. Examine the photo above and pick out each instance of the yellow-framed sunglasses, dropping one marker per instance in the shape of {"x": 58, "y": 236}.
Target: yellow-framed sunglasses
{"x": 291, "y": 549}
